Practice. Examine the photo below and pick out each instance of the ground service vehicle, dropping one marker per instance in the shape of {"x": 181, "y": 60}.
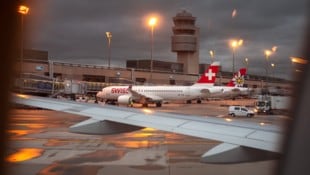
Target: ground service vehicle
{"x": 272, "y": 104}
{"x": 240, "y": 111}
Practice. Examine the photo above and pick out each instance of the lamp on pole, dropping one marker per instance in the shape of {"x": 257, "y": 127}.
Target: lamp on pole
{"x": 211, "y": 56}
{"x": 273, "y": 66}
{"x": 152, "y": 22}
{"x": 23, "y": 10}
{"x": 267, "y": 55}
{"x": 109, "y": 36}
{"x": 247, "y": 63}
{"x": 235, "y": 44}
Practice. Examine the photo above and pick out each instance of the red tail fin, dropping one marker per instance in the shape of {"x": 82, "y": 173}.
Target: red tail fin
{"x": 238, "y": 79}
{"x": 210, "y": 74}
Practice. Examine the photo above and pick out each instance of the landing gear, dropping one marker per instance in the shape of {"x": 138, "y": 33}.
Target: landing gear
{"x": 199, "y": 101}
{"x": 188, "y": 101}
{"x": 145, "y": 105}
{"x": 130, "y": 104}
{"x": 110, "y": 102}
{"x": 158, "y": 104}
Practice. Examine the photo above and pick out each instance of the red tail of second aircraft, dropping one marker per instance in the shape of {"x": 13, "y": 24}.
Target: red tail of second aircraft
{"x": 238, "y": 79}
{"x": 209, "y": 75}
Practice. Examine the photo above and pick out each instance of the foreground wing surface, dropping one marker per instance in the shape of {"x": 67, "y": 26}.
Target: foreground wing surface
{"x": 233, "y": 133}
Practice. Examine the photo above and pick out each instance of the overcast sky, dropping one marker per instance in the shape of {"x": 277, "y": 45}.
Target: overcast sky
{"x": 74, "y": 30}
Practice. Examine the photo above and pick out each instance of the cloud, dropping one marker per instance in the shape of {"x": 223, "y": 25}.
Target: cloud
{"x": 76, "y": 29}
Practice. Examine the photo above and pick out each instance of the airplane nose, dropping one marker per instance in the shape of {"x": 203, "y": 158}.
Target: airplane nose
{"x": 99, "y": 94}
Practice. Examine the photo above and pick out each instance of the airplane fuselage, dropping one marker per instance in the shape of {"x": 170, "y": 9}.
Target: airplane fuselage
{"x": 158, "y": 93}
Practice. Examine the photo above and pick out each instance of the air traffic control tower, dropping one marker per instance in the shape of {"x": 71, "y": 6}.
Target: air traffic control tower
{"x": 185, "y": 41}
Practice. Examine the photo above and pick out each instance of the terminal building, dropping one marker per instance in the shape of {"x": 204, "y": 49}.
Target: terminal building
{"x": 164, "y": 66}
{"x": 48, "y": 77}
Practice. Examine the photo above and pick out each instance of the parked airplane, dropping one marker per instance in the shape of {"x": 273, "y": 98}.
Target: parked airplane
{"x": 233, "y": 88}
{"x": 242, "y": 141}
{"x": 157, "y": 94}
{"x": 204, "y": 88}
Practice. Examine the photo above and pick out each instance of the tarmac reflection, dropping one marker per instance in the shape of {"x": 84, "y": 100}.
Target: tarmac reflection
{"x": 24, "y": 154}
{"x": 41, "y": 144}
{"x": 18, "y": 133}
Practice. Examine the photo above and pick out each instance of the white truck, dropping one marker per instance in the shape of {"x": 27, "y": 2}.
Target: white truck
{"x": 273, "y": 104}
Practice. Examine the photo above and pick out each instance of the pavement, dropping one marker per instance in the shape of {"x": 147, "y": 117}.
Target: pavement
{"x": 41, "y": 144}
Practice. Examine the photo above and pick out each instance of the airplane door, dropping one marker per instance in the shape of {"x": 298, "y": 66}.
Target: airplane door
{"x": 187, "y": 92}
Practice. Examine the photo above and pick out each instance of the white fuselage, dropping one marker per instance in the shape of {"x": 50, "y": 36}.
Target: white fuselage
{"x": 229, "y": 92}
{"x": 156, "y": 93}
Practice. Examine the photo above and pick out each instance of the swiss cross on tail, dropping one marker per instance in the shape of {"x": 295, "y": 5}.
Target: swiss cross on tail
{"x": 210, "y": 74}
{"x": 238, "y": 79}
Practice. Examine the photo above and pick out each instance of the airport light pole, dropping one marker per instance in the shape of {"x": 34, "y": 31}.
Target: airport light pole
{"x": 23, "y": 10}
{"x": 246, "y": 60}
{"x": 247, "y": 63}
{"x": 152, "y": 23}
{"x": 109, "y": 37}
{"x": 211, "y": 56}
{"x": 234, "y": 45}
{"x": 273, "y": 67}
{"x": 267, "y": 55}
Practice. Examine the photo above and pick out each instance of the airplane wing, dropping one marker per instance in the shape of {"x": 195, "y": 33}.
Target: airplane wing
{"x": 242, "y": 142}
{"x": 235, "y": 90}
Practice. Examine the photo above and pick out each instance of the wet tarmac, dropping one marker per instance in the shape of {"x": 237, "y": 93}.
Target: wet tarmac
{"x": 41, "y": 144}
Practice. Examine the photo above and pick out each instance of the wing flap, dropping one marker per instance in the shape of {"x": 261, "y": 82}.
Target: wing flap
{"x": 93, "y": 126}
{"x": 206, "y": 92}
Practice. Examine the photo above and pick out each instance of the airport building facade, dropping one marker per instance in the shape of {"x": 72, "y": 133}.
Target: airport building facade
{"x": 96, "y": 76}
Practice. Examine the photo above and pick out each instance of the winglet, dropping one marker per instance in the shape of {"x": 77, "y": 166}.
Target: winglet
{"x": 238, "y": 78}
{"x": 209, "y": 75}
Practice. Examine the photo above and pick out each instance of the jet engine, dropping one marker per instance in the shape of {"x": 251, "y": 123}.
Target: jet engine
{"x": 124, "y": 99}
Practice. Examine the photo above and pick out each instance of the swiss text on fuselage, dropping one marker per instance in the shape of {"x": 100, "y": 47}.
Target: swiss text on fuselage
{"x": 119, "y": 90}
